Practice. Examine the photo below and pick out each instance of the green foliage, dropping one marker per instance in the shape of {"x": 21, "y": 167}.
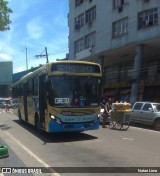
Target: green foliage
{"x": 4, "y": 15}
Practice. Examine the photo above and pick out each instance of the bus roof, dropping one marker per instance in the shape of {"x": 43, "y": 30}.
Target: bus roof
{"x": 47, "y": 66}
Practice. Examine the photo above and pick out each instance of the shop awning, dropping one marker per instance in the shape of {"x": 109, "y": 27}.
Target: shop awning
{"x": 125, "y": 91}
{"x": 110, "y": 93}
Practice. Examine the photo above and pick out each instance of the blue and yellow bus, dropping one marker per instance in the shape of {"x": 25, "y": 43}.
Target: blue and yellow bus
{"x": 61, "y": 96}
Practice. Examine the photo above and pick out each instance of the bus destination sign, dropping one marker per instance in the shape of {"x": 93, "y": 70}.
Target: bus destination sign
{"x": 78, "y": 68}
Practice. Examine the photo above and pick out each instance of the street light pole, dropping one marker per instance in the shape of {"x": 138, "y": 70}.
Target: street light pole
{"x": 43, "y": 55}
{"x": 46, "y": 54}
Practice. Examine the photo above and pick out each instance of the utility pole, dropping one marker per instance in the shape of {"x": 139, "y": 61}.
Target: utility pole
{"x": 46, "y": 54}
{"x": 43, "y": 55}
{"x": 26, "y": 60}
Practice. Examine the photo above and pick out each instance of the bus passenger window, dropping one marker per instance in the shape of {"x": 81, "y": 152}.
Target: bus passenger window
{"x": 35, "y": 86}
{"x": 29, "y": 87}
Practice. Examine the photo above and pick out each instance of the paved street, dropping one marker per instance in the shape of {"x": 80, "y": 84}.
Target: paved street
{"x": 137, "y": 147}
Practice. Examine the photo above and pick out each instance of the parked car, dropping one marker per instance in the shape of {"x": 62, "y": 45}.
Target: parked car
{"x": 5, "y": 102}
{"x": 2, "y": 102}
{"x": 146, "y": 113}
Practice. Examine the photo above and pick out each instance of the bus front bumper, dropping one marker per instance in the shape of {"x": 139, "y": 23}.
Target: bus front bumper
{"x": 77, "y": 127}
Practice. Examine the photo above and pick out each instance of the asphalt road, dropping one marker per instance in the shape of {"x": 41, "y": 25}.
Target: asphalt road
{"x": 136, "y": 147}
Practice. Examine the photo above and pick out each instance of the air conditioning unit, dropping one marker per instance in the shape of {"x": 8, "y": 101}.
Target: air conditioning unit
{"x": 115, "y": 34}
{"x": 120, "y": 9}
{"x": 146, "y": 23}
{"x": 90, "y": 23}
{"x": 76, "y": 26}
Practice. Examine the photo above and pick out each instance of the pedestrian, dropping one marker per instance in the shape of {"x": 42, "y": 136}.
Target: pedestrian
{"x": 7, "y": 106}
{"x": 109, "y": 104}
{"x": 105, "y": 114}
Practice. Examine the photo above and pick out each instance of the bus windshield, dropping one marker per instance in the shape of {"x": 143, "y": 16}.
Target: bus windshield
{"x": 70, "y": 91}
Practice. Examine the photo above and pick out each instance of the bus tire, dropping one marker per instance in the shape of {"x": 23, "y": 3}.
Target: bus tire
{"x": 19, "y": 115}
{"x": 37, "y": 124}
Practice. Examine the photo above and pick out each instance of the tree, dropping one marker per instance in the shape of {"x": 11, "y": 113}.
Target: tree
{"x": 4, "y": 15}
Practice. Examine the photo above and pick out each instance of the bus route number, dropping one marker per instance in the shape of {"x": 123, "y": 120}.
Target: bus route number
{"x": 61, "y": 100}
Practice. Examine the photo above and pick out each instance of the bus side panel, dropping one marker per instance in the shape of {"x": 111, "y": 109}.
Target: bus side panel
{"x": 31, "y": 110}
{"x": 21, "y": 101}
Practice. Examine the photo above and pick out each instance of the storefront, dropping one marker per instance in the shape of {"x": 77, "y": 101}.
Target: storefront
{"x": 118, "y": 91}
{"x": 124, "y": 94}
{"x": 151, "y": 90}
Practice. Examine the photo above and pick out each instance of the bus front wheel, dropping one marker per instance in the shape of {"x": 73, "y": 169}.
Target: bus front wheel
{"x": 37, "y": 123}
{"x": 19, "y": 116}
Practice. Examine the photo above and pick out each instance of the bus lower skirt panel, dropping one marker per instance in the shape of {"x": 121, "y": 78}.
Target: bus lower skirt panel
{"x": 78, "y": 127}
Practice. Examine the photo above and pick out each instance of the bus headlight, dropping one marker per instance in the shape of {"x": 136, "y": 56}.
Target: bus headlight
{"x": 52, "y": 117}
{"x": 55, "y": 118}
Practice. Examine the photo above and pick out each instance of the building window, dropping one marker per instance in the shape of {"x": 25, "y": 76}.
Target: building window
{"x": 120, "y": 27}
{"x": 78, "y": 2}
{"x": 79, "y": 21}
{"x": 90, "y": 40}
{"x": 91, "y": 15}
{"x": 145, "y": 1}
{"x": 118, "y": 3}
{"x": 79, "y": 45}
{"x": 148, "y": 18}
{"x": 111, "y": 74}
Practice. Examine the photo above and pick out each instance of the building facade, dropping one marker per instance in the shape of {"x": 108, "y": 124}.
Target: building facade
{"x": 6, "y": 70}
{"x": 124, "y": 37}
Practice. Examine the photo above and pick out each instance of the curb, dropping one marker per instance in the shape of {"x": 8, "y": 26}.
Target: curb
{"x": 3, "y": 151}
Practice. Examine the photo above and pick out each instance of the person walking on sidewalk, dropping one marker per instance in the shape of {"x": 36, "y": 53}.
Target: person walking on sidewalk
{"x": 105, "y": 113}
{"x": 7, "y": 105}
{"x": 107, "y": 110}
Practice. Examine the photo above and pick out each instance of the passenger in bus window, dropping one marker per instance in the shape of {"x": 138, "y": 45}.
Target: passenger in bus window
{"x": 75, "y": 99}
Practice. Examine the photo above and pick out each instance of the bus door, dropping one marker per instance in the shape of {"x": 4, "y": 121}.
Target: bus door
{"x": 42, "y": 99}
{"x": 25, "y": 101}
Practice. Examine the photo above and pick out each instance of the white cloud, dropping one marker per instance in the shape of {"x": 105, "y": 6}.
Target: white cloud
{"x": 5, "y": 57}
{"x": 20, "y": 69}
{"x": 35, "y": 29}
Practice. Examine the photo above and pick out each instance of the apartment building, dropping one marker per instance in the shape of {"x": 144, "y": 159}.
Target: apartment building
{"x": 6, "y": 70}
{"x": 124, "y": 37}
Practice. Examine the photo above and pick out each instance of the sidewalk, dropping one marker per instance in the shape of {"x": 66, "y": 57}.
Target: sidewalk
{"x": 11, "y": 161}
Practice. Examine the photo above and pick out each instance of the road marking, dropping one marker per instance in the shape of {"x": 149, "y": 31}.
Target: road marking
{"x": 149, "y": 130}
{"x": 32, "y": 154}
{"x": 6, "y": 111}
{"x": 130, "y": 139}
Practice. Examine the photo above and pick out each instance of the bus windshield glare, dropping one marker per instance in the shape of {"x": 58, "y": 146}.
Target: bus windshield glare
{"x": 70, "y": 91}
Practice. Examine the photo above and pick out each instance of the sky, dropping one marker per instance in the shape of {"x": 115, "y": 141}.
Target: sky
{"x": 36, "y": 24}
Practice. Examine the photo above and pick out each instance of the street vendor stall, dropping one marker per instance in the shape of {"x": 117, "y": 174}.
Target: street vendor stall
{"x": 120, "y": 116}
